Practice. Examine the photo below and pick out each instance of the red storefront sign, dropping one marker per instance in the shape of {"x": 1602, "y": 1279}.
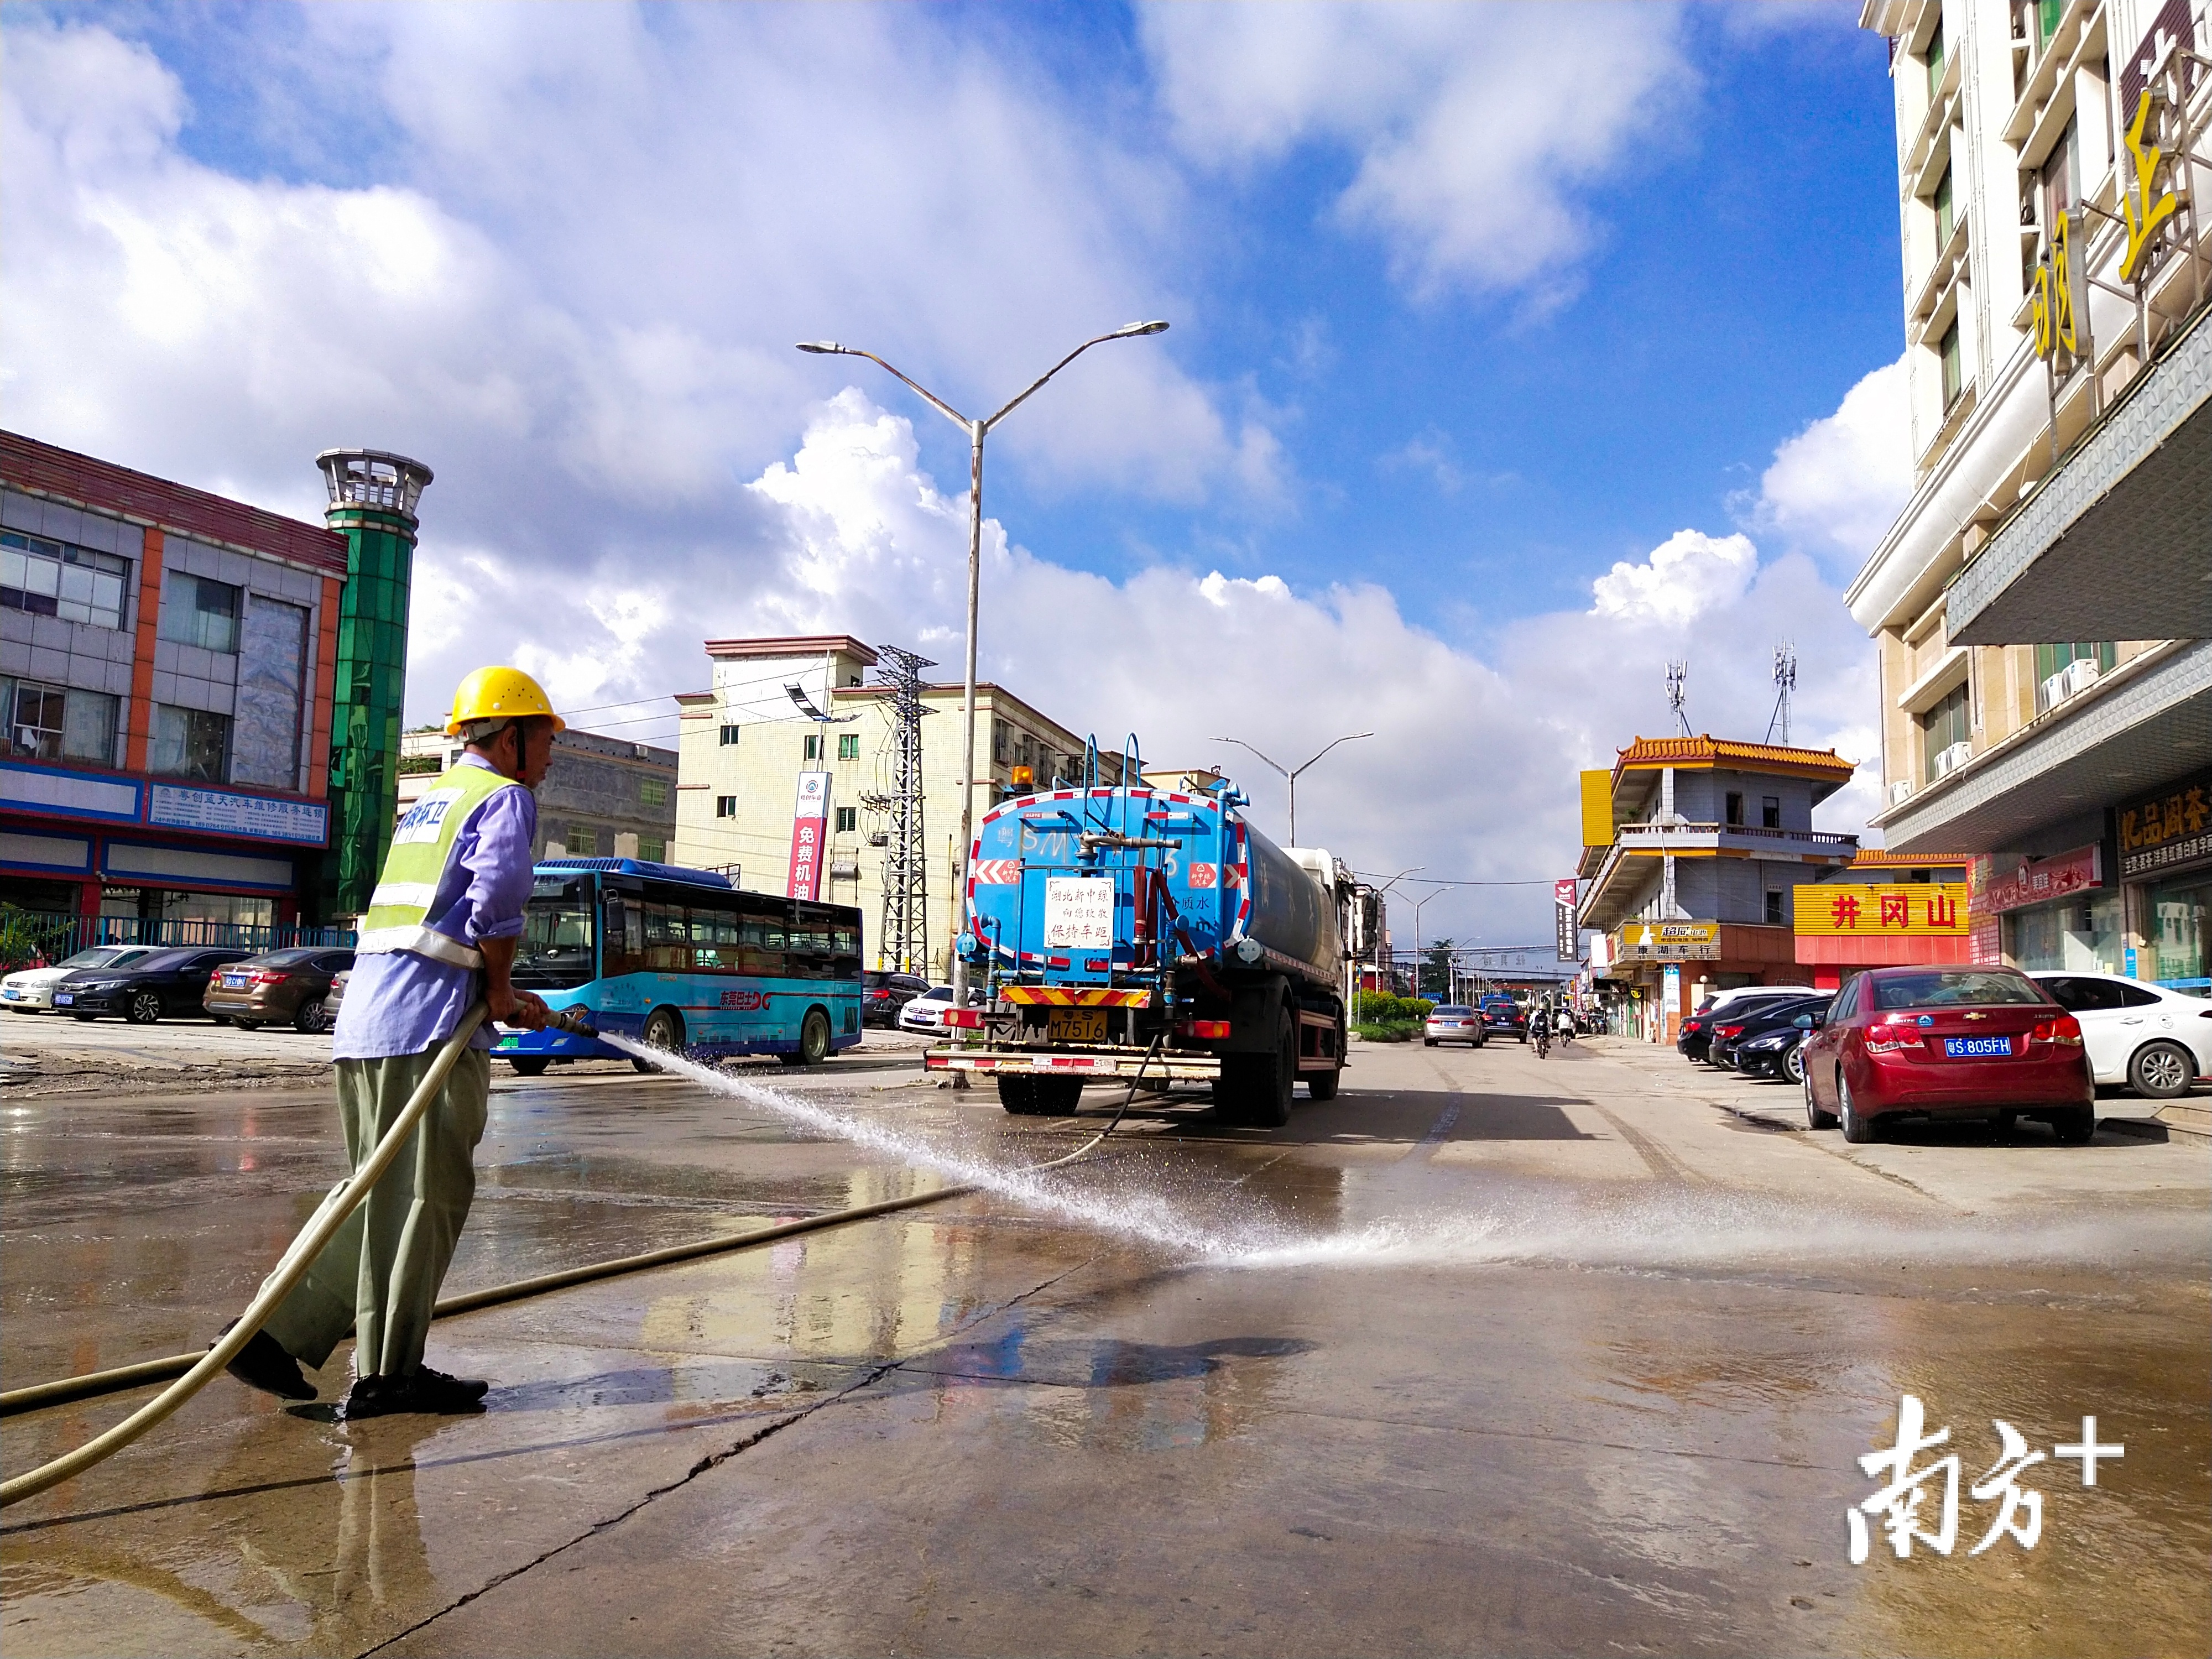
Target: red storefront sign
{"x": 2037, "y": 881}
{"x": 809, "y": 820}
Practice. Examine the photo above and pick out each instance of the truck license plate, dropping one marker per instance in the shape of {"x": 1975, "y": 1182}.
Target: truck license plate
{"x": 1076, "y": 1025}
{"x": 1977, "y": 1048}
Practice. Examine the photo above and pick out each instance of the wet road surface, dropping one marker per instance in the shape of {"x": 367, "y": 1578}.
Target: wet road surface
{"x": 1489, "y": 1354}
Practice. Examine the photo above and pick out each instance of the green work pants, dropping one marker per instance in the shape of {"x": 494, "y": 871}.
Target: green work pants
{"x": 379, "y": 1276}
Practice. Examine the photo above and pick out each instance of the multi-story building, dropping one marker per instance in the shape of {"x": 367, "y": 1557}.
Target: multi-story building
{"x": 168, "y": 665}
{"x": 1693, "y": 850}
{"x": 2043, "y": 605}
{"x": 602, "y": 797}
{"x": 782, "y": 708}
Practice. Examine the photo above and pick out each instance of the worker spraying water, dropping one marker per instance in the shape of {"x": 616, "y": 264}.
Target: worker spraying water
{"x": 440, "y": 934}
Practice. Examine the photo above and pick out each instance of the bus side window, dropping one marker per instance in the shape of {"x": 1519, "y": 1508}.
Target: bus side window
{"x": 714, "y": 942}
{"x": 761, "y": 947}
{"x": 619, "y": 940}
{"x": 667, "y": 939}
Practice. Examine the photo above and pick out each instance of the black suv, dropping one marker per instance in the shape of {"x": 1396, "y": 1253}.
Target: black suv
{"x": 883, "y": 993}
{"x": 166, "y": 982}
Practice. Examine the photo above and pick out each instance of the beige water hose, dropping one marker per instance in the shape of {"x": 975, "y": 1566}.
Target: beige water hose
{"x": 194, "y": 1371}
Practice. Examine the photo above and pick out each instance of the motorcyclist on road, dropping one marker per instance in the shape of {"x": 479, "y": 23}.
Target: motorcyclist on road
{"x": 1540, "y": 1028}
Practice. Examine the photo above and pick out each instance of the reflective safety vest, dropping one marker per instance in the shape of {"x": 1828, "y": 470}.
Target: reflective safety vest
{"x": 422, "y": 850}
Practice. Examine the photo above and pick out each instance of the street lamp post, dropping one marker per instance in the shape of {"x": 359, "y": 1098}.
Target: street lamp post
{"x": 1418, "y": 903}
{"x": 1290, "y": 773}
{"x": 1380, "y": 893}
{"x": 976, "y": 431}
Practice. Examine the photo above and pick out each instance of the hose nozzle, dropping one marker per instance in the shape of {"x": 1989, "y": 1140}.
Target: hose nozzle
{"x": 571, "y": 1020}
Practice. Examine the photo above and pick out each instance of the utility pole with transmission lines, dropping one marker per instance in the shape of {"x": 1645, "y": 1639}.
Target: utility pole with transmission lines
{"x": 903, "y": 945}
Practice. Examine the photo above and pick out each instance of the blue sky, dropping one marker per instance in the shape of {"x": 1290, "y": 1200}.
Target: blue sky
{"x": 1479, "y": 313}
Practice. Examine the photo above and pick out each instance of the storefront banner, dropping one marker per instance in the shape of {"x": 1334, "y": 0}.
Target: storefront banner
{"x": 179, "y": 806}
{"x": 1881, "y": 910}
{"x": 1668, "y": 941}
{"x": 1569, "y": 944}
{"x": 2039, "y": 881}
{"x": 809, "y": 820}
{"x": 2167, "y": 830}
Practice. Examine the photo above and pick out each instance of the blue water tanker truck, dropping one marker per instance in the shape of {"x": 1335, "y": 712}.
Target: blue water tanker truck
{"x": 1149, "y": 933}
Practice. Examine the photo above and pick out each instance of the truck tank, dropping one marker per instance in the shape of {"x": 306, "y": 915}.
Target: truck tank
{"x": 1086, "y": 886}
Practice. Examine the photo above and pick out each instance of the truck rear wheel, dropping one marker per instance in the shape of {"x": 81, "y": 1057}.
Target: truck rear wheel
{"x": 1321, "y": 1086}
{"x": 1255, "y": 1090}
{"x": 1019, "y": 1094}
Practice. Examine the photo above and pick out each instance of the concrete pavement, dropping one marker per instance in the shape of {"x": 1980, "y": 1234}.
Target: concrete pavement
{"x": 1489, "y": 1354}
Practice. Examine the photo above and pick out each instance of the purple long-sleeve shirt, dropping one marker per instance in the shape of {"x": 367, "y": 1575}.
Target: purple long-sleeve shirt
{"x": 399, "y": 1003}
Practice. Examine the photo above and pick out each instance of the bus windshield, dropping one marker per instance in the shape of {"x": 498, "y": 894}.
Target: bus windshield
{"x": 555, "y": 949}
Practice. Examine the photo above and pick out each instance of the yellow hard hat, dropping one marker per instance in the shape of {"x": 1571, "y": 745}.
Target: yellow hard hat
{"x": 499, "y": 694}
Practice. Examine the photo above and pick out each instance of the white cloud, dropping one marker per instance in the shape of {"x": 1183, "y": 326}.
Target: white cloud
{"x": 1835, "y": 487}
{"x": 1473, "y": 126}
{"x": 1685, "y": 576}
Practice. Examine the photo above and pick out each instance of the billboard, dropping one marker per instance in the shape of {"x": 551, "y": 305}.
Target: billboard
{"x": 1569, "y": 945}
{"x": 810, "y": 824}
{"x": 1881, "y": 910}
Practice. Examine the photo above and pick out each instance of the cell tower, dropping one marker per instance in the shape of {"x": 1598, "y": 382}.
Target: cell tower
{"x": 1785, "y": 682}
{"x": 905, "y": 939}
{"x": 1677, "y": 674}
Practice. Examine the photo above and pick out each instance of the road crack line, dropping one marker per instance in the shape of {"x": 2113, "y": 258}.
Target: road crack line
{"x": 714, "y": 1461}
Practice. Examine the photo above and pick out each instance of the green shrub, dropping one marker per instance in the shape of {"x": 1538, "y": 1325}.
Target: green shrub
{"x": 1381, "y": 1008}
{"x": 1394, "y": 1031}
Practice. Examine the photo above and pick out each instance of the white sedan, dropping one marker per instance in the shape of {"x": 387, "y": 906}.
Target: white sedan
{"x": 31, "y": 990}
{"x": 1452, "y": 1022}
{"x": 927, "y": 1012}
{"x": 2156, "y": 1040}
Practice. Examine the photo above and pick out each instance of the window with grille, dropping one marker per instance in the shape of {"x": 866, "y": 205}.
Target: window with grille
{"x": 653, "y": 791}
{"x": 729, "y": 735}
{"x": 653, "y": 849}
{"x": 583, "y": 844}
{"x": 1940, "y": 727}
{"x": 53, "y": 578}
{"x": 848, "y": 819}
{"x": 849, "y": 745}
{"x": 190, "y": 742}
{"x": 52, "y": 722}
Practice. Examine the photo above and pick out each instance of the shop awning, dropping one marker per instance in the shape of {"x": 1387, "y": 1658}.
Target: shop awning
{"x": 2116, "y": 542}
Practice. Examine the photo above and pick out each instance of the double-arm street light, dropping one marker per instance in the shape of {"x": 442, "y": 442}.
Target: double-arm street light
{"x": 1380, "y": 893}
{"x": 1291, "y": 772}
{"x": 976, "y": 431}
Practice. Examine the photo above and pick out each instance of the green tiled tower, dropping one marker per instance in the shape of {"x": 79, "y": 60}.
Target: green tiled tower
{"x": 372, "y": 496}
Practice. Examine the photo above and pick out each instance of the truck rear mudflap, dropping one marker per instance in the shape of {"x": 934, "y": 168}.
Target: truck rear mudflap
{"x": 1169, "y": 1066}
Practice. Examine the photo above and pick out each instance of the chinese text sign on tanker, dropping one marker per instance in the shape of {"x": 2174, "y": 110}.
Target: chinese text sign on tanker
{"x": 1079, "y": 913}
{"x": 810, "y": 820}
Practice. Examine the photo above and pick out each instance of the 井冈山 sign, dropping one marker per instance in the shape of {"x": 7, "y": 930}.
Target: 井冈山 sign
{"x": 1884, "y": 909}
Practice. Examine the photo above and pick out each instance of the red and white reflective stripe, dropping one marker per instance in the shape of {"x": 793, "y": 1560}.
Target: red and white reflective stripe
{"x": 997, "y": 873}
{"x": 1072, "y": 1063}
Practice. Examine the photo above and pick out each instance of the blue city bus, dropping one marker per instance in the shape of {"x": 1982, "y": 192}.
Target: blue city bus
{"x": 680, "y": 959}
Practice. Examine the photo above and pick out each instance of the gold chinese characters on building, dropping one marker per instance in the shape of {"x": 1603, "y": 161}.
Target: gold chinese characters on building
{"x": 1668, "y": 941}
{"x": 1877, "y": 910}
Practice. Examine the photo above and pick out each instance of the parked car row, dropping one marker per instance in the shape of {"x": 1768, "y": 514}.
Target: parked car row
{"x": 145, "y": 983}
{"x": 1944, "y": 1043}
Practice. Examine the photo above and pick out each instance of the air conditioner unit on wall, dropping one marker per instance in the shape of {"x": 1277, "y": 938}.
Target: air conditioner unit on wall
{"x": 1901, "y": 792}
{"x": 2051, "y": 692}
{"x": 1951, "y": 759}
{"x": 2080, "y": 674}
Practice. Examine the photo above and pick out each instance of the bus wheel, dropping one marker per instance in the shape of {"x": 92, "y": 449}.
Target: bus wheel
{"x": 664, "y": 1029}
{"x": 813, "y": 1040}
{"x": 527, "y": 1065}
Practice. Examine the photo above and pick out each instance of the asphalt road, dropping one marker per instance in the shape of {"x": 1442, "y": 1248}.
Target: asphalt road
{"x": 1488, "y": 1355}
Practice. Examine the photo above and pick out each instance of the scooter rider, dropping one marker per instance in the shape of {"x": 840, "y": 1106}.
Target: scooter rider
{"x": 441, "y": 931}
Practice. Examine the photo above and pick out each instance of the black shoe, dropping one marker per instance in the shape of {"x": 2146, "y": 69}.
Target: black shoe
{"x": 263, "y": 1363}
{"x": 427, "y": 1392}
{"x": 469, "y": 1386}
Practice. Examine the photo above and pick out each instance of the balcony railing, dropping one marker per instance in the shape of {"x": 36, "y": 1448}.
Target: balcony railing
{"x": 1663, "y": 837}
{"x": 30, "y": 937}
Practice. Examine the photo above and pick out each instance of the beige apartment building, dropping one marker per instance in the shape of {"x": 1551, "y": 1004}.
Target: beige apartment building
{"x": 2043, "y": 605}
{"x": 742, "y": 746}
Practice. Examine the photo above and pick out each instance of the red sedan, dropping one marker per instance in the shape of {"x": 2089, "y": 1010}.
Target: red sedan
{"x": 1945, "y": 1043}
